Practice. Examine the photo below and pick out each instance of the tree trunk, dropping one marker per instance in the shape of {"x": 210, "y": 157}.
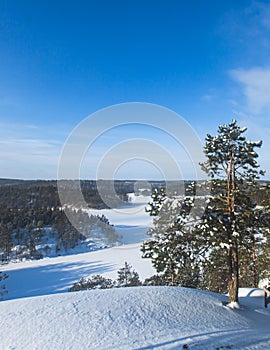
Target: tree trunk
{"x": 229, "y": 271}
{"x": 172, "y": 281}
{"x": 234, "y": 278}
{"x": 233, "y": 268}
{"x": 254, "y": 267}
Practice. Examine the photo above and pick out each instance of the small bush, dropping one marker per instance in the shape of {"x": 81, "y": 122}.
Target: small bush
{"x": 155, "y": 280}
{"x": 126, "y": 278}
{"x": 94, "y": 282}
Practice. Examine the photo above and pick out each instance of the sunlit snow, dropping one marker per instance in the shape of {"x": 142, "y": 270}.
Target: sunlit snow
{"x": 122, "y": 318}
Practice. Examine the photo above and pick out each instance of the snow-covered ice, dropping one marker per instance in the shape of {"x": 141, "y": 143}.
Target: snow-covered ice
{"x": 55, "y": 275}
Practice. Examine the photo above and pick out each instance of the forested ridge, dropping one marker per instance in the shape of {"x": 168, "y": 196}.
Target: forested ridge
{"x": 33, "y": 223}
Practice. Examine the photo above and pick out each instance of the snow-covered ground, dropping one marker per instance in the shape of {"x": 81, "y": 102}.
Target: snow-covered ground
{"x": 56, "y": 275}
{"x": 123, "y": 318}
{"x": 133, "y": 318}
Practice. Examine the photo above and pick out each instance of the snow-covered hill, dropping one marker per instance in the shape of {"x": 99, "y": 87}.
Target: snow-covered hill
{"x": 132, "y": 318}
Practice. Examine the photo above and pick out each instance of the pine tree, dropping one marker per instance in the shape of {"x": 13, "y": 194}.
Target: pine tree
{"x": 214, "y": 273}
{"x": 127, "y": 277}
{"x": 172, "y": 246}
{"x": 263, "y": 256}
{"x": 158, "y": 196}
{"x": 251, "y": 250}
{"x": 232, "y": 166}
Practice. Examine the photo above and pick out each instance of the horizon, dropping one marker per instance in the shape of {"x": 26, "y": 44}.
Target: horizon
{"x": 120, "y": 180}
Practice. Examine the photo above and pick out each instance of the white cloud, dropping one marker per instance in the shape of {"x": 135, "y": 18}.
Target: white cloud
{"x": 28, "y": 151}
{"x": 29, "y": 158}
{"x": 256, "y": 87}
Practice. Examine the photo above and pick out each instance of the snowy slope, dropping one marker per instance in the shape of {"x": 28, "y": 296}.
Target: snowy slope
{"x": 55, "y": 275}
{"x": 132, "y": 318}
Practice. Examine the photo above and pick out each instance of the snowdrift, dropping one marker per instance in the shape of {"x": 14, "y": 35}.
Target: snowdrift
{"x": 127, "y": 318}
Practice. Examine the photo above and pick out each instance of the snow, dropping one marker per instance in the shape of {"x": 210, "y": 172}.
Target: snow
{"x": 38, "y": 314}
{"x": 131, "y": 318}
{"x": 251, "y": 292}
{"x": 133, "y": 214}
{"x": 130, "y": 221}
{"x": 57, "y": 275}
{"x": 234, "y": 305}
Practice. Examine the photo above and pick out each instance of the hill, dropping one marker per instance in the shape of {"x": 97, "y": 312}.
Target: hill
{"x": 133, "y": 318}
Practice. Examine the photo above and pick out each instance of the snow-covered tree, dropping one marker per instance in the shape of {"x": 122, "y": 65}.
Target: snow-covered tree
{"x": 127, "y": 277}
{"x": 263, "y": 251}
{"x": 214, "y": 273}
{"x": 93, "y": 282}
{"x": 171, "y": 246}
{"x": 232, "y": 166}
{"x": 155, "y": 280}
{"x": 252, "y": 252}
{"x": 158, "y": 196}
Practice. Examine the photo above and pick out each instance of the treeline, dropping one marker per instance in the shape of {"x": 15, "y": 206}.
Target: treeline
{"x": 32, "y": 194}
{"x": 41, "y": 193}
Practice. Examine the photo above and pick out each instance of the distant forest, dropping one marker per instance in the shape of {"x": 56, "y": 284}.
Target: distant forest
{"x": 33, "y": 223}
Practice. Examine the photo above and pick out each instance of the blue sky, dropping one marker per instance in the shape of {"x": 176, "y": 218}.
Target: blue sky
{"x": 60, "y": 61}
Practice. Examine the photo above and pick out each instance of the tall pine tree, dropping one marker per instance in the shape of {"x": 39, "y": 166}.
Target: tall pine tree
{"x": 232, "y": 166}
